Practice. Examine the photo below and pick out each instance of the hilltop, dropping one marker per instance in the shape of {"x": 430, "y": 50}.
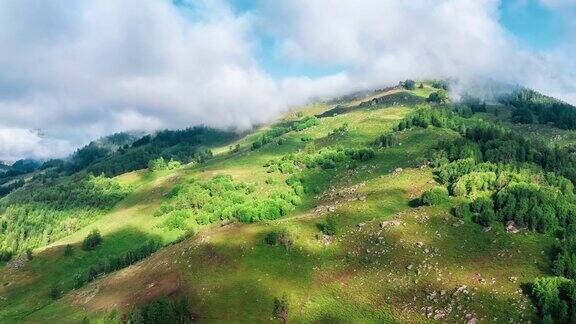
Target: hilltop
{"x": 389, "y": 206}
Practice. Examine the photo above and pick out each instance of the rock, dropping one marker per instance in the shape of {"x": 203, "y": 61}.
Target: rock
{"x": 17, "y": 263}
{"x": 387, "y": 224}
{"x": 361, "y": 224}
{"x": 511, "y": 227}
{"x": 362, "y": 198}
{"x": 397, "y": 171}
{"x": 513, "y": 279}
{"x": 458, "y": 223}
{"x": 471, "y": 321}
{"x": 409, "y": 267}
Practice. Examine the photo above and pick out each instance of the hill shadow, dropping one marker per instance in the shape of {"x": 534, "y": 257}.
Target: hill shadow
{"x": 389, "y": 100}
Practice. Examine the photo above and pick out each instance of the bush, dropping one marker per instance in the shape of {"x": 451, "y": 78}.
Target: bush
{"x": 281, "y": 237}
{"x": 68, "y": 250}
{"x": 5, "y": 255}
{"x": 483, "y": 211}
{"x": 434, "y": 196}
{"x": 55, "y": 292}
{"x": 330, "y": 227}
{"x": 92, "y": 241}
{"x": 440, "y": 85}
{"x": 280, "y": 310}
{"x": 438, "y": 97}
{"x": 386, "y": 140}
{"x": 462, "y": 211}
{"x": 409, "y": 84}
{"x": 158, "y": 164}
{"x": 306, "y": 138}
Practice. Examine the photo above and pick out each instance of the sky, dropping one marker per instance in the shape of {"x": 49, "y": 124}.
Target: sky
{"x": 73, "y": 71}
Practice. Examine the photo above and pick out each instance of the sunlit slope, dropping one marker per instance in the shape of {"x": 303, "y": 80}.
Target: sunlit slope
{"x": 389, "y": 261}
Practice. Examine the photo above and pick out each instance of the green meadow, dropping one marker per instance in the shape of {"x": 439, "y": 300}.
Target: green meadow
{"x": 356, "y": 244}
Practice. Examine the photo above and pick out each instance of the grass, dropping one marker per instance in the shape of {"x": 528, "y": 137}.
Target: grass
{"x": 365, "y": 274}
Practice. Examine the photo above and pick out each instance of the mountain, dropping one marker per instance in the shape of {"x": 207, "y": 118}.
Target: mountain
{"x": 395, "y": 205}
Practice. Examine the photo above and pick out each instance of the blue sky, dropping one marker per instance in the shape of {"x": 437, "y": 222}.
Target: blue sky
{"x": 534, "y": 24}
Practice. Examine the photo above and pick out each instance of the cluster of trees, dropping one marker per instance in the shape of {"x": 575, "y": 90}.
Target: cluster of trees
{"x": 564, "y": 263}
{"x": 184, "y": 146}
{"x": 485, "y": 141}
{"x": 440, "y": 84}
{"x": 425, "y": 117}
{"x": 160, "y": 164}
{"x": 277, "y": 131}
{"x": 555, "y": 298}
{"x": 122, "y": 152}
{"x": 108, "y": 265}
{"x": 507, "y": 177}
{"x": 6, "y": 189}
{"x": 162, "y": 310}
{"x": 19, "y": 167}
{"x": 532, "y": 107}
{"x": 325, "y": 158}
{"x": 38, "y": 214}
{"x": 222, "y": 198}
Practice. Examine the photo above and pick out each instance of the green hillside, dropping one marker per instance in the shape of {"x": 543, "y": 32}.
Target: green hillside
{"x": 390, "y": 206}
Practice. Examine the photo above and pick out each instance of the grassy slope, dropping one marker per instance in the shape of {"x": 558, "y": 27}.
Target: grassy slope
{"x": 367, "y": 274}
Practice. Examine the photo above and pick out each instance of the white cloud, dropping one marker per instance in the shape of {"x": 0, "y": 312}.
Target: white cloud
{"x": 79, "y": 70}
{"x": 82, "y": 69}
{"x": 17, "y": 142}
{"x": 383, "y": 41}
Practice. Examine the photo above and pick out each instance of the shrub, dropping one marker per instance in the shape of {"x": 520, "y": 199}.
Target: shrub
{"x": 386, "y": 140}
{"x": 440, "y": 85}
{"x": 306, "y": 138}
{"x": 158, "y": 164}
{"x": 438, "y": 97}
{"x": 409, "y": 84}
{"x": 92, "y": 241}
{"x": 462, "y": 211}
{"x": 68, "y": 250}
{"x": 330, "y": 227}
{"x": 5, "y": 255}
{"x": 281, "y": 237}
{"x": 174, "y": 165}
{"x": 483, "y": 211}
{"x": 434, "y": 196}
{"x": 280, "y": 309}
{"x": 55, "y": 291}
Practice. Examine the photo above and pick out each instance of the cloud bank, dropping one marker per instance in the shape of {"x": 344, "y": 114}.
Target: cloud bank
{"x": 79, "y": 70}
